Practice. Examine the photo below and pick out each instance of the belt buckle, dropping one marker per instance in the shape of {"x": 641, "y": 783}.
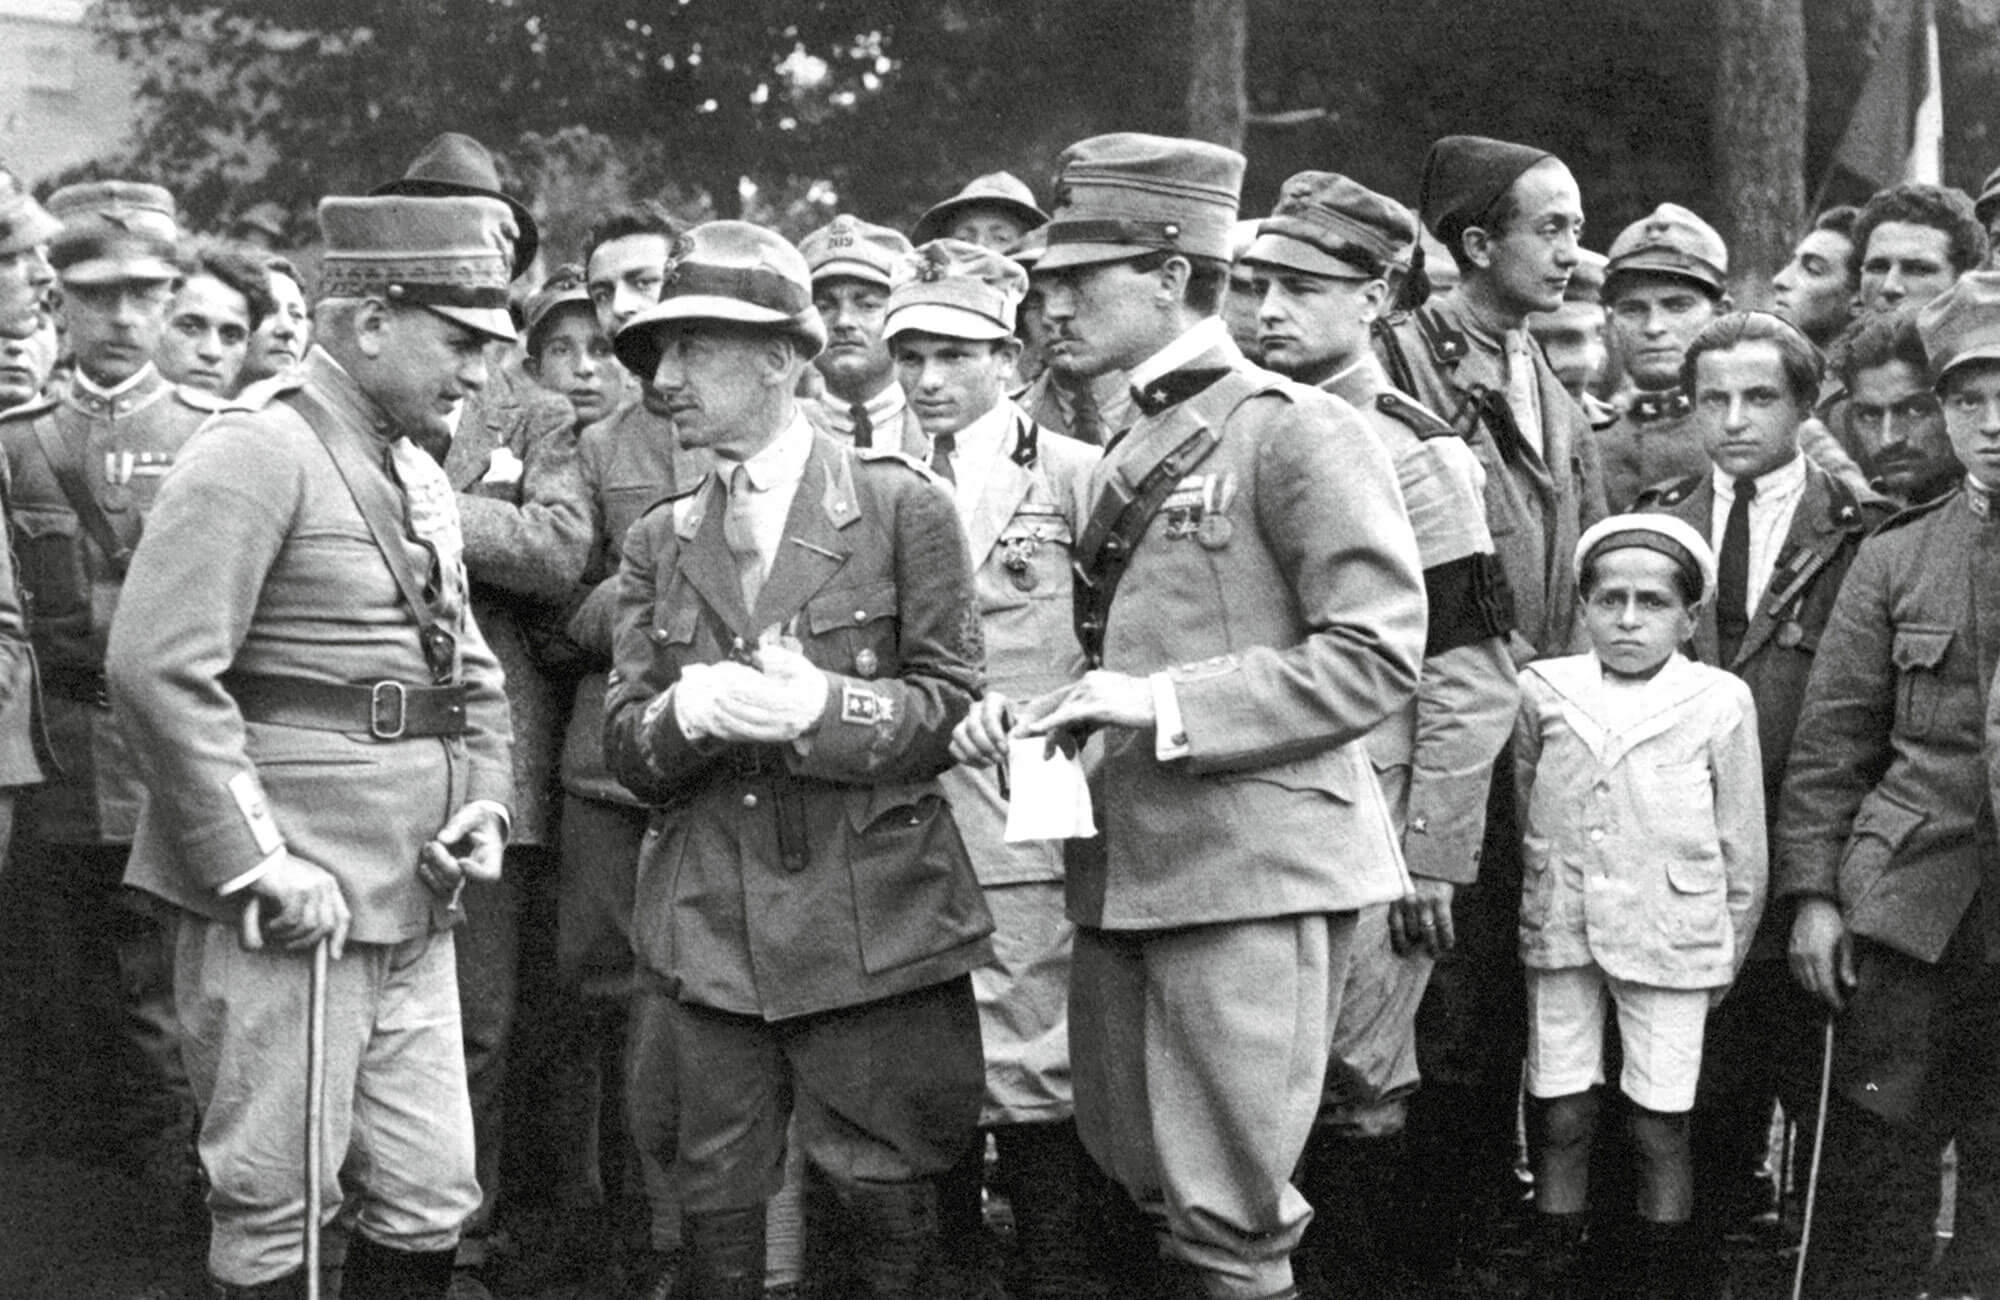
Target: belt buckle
{"x": 396, "y": 692}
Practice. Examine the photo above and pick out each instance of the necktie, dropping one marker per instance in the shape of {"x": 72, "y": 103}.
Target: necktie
{"x": 742, "y": 538}
{"x": 864, "y": 428}
{"x": 1086, "y": 421}
{"x": 943, "y": 448}
{"x": 1732, "y": 582}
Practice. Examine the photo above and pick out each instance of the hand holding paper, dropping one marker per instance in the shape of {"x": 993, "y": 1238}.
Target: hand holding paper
{"x": 1051, "y": 798}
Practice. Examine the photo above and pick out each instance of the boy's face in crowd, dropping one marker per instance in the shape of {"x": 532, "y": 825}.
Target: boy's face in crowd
{"x": 951, "y": 382}
{"x": 1971, "y": 394}
{"x": 576, "y": 362}
{"x": 207, "y": 335}
{"x": 1634, "y": 611}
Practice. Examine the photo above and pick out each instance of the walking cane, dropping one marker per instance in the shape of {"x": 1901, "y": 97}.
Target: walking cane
{"x": 1812, "y": 1172}
{"x": 253, "y": 939}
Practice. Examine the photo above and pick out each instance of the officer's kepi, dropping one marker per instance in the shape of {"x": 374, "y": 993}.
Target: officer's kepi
{"x": 452, "y": 256}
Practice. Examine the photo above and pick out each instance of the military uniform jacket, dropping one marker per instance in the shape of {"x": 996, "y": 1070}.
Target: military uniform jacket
{"x": 1435, "y": 755}
{"x": 120, "y": 446}
{"x": 1281, "y": 591}
{"x": 1021, "y": 534}
{"x": 1885, "y": 806}
{"x": 776, "y": 882}
{"x": 1654, "y": 439}
{"x": 1537, "y": 503}
{"x": 527, "y": 535}
{"x": 1049, "y": 407}
{"x": 629, "y": 462}
{"x": 259, "y": 526}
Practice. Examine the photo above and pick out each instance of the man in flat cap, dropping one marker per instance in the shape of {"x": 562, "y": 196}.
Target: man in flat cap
{"x": 1667, "y": 277}
{"x": 324, "y": 741}
{"x": 84, "y": 463}
{"x": 1021, "y": 492}
{"x": 1325, "y": 264}
{"x": 851, "y": 262}
{"x": 1268, "y": 614}
{"x": 993, "y": 211}
{"x": 1885, "y": 845}
{"x": 795, "y": 638}
{"x": 1510, "y": 216}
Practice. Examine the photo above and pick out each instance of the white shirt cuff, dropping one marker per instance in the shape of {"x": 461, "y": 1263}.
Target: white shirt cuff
{"x": 1169, "y": 736}
{"x": 253, "y": 875}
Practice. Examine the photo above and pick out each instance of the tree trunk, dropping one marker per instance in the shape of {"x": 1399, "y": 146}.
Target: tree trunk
{"x": 1216, "y": 104}
{"x": 1757, "y": 137}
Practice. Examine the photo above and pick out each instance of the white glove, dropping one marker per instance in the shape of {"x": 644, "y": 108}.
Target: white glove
{"x": 798, "y": 690}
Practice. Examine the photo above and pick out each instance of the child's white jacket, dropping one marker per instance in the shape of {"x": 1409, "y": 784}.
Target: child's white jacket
{"x": 1644, "y": 846}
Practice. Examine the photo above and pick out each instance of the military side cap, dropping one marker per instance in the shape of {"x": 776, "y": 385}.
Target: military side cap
{"x": 1126, "y": 195}
{"x": 449, "y": 254}
{"x": 454, "y": 165}
{"x": 1963, "y": 323}
{"x": 1464, "y": 176}
{"x": 114, "y": 231}
{"x": 848, "y": 248}
{"x": 1670, "y": 241}
{"x": 1326, "y": 224}
{"x": 564, "y": 287}
{"x": 730, "y": 272}
{"x": 1586, "y": 278}
{"x": 24, "y": 223}
{"x": 1002, "y": 190}
{"x": 1987, "y": 206}
{"x": 957, "y": 290}
{"x": 1668, "y": 535}
{"x": 1028, "y": 249}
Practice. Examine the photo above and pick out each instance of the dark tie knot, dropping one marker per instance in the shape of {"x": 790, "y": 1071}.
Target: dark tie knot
{"x": 1746, "y": 488}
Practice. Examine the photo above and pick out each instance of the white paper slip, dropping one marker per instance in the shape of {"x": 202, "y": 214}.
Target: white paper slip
{"x": 1050, "y": 799}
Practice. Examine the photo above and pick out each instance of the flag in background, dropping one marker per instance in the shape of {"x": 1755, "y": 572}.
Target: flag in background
{"x": 1896, "y": 131}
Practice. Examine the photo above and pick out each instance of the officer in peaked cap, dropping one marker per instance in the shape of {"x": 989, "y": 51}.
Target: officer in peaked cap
{"x": 1092, "y": 409}
{"x": 1666, "y": 278}
{"x": 454, "y": 164}
{"x": 993, "y": 211}
{"x": 25, "y": 275}
{"x": 305, "y": 658}
{"x": 1214, "y": 932}
{"x": 851, "y": 262}
{"x": 1325, "y": 264}
{"x": 795, "y": 639}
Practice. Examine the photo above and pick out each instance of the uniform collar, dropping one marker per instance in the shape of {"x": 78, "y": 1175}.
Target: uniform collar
{"x": 782, "y": 461}
{"x": 1650, "y": 407}
{"x": 1203, "y": 336}
{"x": 1978, "y": 498}
{"x": 85, "y": 388}
{"x": 1773, "y": 486}
{"x": 344, "y": 391}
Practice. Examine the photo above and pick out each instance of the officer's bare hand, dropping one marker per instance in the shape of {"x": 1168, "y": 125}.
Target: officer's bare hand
{"x": 1422, "y": 918}
{"x": 1822, "y": 952}
{"x": 299, "y": 904}
{"x": 1099, "y": 698}
{"x": 468, "y": 847}
{"x": 981, "y": 739}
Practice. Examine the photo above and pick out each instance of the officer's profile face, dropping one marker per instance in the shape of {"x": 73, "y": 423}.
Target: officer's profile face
{"x": 951, "y": 382}
{"x": 1905, "y": 262}
{"x": 25, "y": 279}
{"x": 1572, "y": 338}
{"x": 624, "y": 278}
{"x": 25, "y": 363}
{"x": 993, "y": 228}
{"x": 1634, "y": 611}
{"x": 724, "y": 388}
{"x": 1311, "y": 326}
{"x": 1748, "y": 415}
{"x": 1525, "y": 264}
{"x": 207, "y": 335}
{"x": 1653, "y": 320}
{"x": 280, "y": 339}
{"x": 1101, "y": 316}
{"x": 1812, "y": 290}
{"x": 424, "y": 366}
{"x": 574, "y": 360}
{"x": 856, "y": 363}
{"x": 1896, "y": 425}
{"x": 1971, "y": 397}
{"x": 114, "y": 328}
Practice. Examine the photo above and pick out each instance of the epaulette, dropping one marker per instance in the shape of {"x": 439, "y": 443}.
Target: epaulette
{"x": 1910, "y": 514}
{"x": 1847, "y": 509}
{"x": 1420, "y": 419}
{"x": 899, "y": 456}
{"x": 1651, "y": 408}
{"x": 1447, "y": 345}
{"x": 31, "y": 408}
{"x": 203, "y": 400}
{"x": 1668, "y": 493}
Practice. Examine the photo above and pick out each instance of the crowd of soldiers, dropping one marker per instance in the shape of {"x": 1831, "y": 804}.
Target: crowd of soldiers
{"x": 673, "y": 683}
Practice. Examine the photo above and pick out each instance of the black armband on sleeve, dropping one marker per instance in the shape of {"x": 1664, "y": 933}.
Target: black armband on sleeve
{"x": 1470, "y": 602}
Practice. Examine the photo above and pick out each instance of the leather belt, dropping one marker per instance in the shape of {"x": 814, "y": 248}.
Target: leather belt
{"x": 385, "y": 710}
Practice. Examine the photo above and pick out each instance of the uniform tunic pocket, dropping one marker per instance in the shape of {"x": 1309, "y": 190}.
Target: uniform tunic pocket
{"x": 1918, "y": 654}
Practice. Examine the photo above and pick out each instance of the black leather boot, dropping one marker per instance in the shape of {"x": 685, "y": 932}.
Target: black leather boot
{"x": 725, "y": 1259}
{"x": 377, "y": 1272}
{"x": 1043, "y": 1167}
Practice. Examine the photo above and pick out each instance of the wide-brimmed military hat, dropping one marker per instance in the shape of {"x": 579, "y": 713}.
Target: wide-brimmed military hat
{"x": 1670, "y": 241}
{"x": 1002, "y": 190}
{"x": 848, "y": 248}
{"x": 1962, "y": 324}
{"x": 456, "y": 165}
{"x": 114, "y": 232}
{"x": 957, "y": 290}
{"x": 447, "y": 254}
{"x": 24, "y": 223}
{"x": 1028, "y": 249}
{"x": 1326, "y": 224}
{"x": 564, "y": 287}
{"x": 730, "y": 272}
{"x": 1464, "y": 176}
{"x": 1126, "y": 195}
